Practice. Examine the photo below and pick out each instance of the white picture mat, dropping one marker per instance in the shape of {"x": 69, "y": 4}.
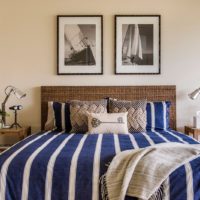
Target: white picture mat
{"x": 137, "y": 68}
{"x": 80, "y": 68}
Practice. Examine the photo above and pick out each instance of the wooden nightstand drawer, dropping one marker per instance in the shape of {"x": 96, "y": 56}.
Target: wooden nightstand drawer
{"x": 191, "y": 131}
{"x": 21, "y": 133}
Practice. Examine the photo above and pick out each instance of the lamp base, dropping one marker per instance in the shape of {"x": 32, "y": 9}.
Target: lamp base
{"x": 15, "y": 125}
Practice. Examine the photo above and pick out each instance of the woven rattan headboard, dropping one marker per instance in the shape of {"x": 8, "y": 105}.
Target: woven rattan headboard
{"x": 151, "y": 93}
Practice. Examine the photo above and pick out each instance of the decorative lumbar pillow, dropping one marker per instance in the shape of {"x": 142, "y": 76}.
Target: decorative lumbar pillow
{"x": 58, "y": 116}
{"x": 78, "y": 113}
{"x": 136, "y": 113}
{"x": 107, "y": 123}
{"x": 158, "y": 115}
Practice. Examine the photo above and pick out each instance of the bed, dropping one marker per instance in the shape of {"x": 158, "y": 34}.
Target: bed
{"x": 53, "y": 165}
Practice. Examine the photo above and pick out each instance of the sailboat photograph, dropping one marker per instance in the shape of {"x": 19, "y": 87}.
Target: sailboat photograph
{"x": 80, "y": 44}
{"x": 137, "y": 44}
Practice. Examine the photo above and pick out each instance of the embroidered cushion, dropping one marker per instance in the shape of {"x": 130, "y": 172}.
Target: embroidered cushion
{"x": 136, "y": 113}
{"x": 78, "y": 113}
{"x": 158, "y": 115}
{"x": 107, "y": 123}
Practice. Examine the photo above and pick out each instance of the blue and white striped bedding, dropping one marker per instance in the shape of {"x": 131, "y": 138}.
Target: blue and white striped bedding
{"x": 158, "y": 115}
{"x": 57, "y": 166}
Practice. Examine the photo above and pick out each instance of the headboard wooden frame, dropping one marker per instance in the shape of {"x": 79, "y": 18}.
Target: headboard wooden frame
{"x": 151, "y": 93}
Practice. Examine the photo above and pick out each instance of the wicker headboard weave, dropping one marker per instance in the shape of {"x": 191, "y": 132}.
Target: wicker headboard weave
{"x": 151, "y": 93}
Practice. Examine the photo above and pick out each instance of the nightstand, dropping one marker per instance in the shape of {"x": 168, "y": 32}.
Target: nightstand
{"x": 195, "y": 132}
{"x": 20, "y": 132}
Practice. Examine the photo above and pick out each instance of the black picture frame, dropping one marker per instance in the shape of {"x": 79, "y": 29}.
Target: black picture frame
{"x": 98, "y": 71}
{"x": 158, "y": 56}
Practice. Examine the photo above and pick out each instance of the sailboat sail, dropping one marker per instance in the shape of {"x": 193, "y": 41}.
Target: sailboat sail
{"x": 74, "y": 36}
{"x": 132, "y": 45}
{"x": 78, "y": 49}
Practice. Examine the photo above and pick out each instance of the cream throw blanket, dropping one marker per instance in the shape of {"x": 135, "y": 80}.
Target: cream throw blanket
{"x": 140, "y": 173}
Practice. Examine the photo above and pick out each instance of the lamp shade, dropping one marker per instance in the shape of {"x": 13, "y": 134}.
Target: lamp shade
{"x": 194, "y": 95}
{"x": 18, "y": 93}
{"x": 11, "y": 89}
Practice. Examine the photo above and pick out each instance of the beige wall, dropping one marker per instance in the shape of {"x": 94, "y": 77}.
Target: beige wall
{"x": 28, "y": 49}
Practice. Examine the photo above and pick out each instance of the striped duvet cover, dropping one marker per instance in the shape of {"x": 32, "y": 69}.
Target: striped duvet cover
{"x": 57, "y": 166}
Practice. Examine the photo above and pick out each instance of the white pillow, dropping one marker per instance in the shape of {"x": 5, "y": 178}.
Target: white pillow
{"x": 107, "y": 123}
{"x": 50, "y": 123}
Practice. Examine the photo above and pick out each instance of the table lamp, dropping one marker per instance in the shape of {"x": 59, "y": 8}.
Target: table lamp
{"x": 8, "y": 91}
{"x": 195, "y": 94}
{"x": 196, "y": 119}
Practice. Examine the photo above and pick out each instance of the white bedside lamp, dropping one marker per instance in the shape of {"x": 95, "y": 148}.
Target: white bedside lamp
{"x": 196, "y": 119}
{"x": 195, "y": 94}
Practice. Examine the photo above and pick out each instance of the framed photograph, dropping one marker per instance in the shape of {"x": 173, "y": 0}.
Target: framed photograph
{"x": 80, "y": 44}
{"x": 137, "y": 44}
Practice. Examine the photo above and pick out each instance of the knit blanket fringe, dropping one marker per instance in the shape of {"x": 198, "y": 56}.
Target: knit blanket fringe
{"x": 104, "y": 191}
{"x": 158, "y": 195}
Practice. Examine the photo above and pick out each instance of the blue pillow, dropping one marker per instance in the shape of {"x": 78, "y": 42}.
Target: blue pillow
{"x": 62, "y": 116}
{"x": 158, "y": 115}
